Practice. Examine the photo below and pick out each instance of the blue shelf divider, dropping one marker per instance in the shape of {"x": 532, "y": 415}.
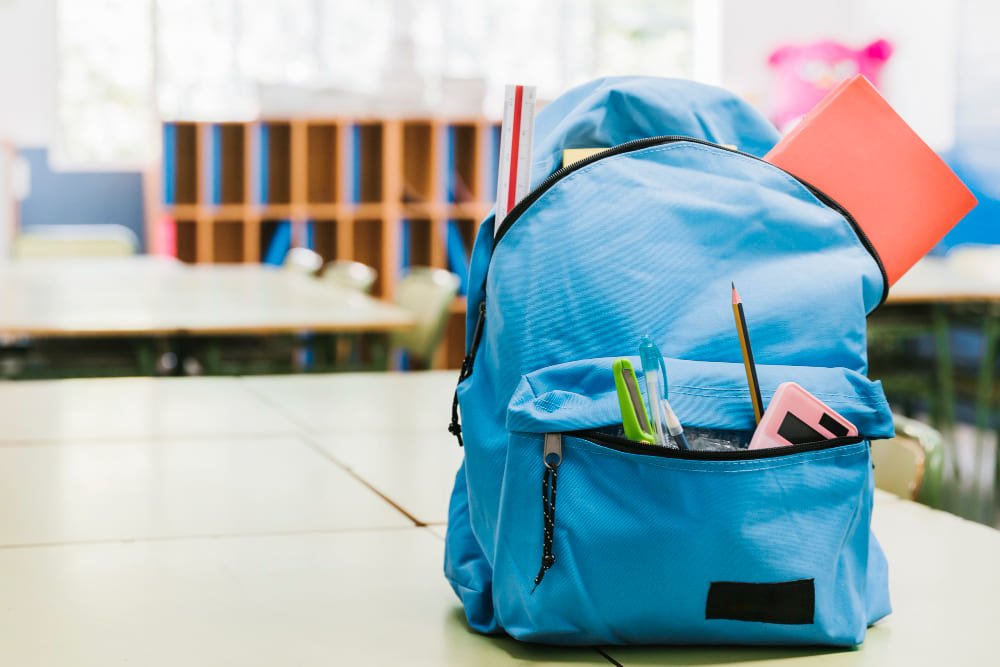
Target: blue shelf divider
{"x": 263, "y": 184}
{"x": 354, "y": 186}
{"x": 169, "y": 163}
{"x": 404, "y": 240}
{"x": 458, "y": 258}
{"x": 215, "y": 155}
{"x": 442, "y": 135}
{"x": 492, "y": 162}
{"x": 450, "y": 174}
{"x": 253, "y": 163}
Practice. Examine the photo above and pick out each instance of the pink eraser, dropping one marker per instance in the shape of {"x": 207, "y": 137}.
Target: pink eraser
{"x": 796, "y": 417}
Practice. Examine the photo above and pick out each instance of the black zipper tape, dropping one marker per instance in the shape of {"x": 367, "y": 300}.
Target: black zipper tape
{"x": 477, "y": 332}
{"x": 633, "y": 447}
{"x": 639, "y": 144}
{"x": 455, "y": 427}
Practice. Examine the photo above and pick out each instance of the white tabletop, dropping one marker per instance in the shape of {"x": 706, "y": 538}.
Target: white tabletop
{"x": 281, "y": 520}
{"x": 149, "y": 295}
{"x": 936, "y": 280}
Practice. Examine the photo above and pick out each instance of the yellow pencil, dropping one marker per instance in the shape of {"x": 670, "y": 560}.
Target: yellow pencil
{"x": 751, "y": 368}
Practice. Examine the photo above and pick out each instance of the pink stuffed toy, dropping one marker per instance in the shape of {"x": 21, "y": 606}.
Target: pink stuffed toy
{"x": 804, "y": 74}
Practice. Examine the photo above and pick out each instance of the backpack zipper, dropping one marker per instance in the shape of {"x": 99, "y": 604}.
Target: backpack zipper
{"x": 629, "y": 146}
{"x": 633, "y": 447}
{"x": 455, "y": 427}
{"x": 552, "y": 457}
{"x": 648, "y": 142}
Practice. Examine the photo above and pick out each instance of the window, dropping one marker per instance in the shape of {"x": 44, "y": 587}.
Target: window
{"x": 127, "y": 63}
{"x": 105, "y": 94}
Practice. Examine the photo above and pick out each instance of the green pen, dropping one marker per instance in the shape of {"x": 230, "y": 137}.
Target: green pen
{"x": 635, "y": 420}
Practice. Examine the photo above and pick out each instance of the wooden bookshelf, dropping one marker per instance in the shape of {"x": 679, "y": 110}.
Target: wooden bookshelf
{"x": 390, "y": 193}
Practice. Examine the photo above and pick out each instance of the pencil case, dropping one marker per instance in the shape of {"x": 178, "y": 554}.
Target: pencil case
{"x": 600, "y": 540}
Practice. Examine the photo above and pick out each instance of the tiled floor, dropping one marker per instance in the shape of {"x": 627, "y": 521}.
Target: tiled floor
{"x": 299, "y": 521}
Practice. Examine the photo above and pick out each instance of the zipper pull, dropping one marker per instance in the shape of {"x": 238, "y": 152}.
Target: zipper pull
{"x": 551, "y": 457}
{"x": 552, "y": 454}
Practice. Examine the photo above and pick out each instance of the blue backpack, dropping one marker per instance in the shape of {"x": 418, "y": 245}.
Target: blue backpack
{"x": 651, "y": 544}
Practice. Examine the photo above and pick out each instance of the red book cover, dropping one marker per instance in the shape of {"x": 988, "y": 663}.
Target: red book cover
{"x": 855, "y": 148}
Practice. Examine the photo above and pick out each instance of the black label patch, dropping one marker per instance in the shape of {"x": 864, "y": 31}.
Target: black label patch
{"x": 785, "y": 602}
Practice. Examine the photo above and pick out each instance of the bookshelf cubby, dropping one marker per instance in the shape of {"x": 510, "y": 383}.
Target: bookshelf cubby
{"x": 323, "y": 175}
{"x": 227, "y": 241}
{"x": 367, "y": 167}
{"x": 276, "y": 141}
{"x": 268, "y": 230}
{"x": 462, "y": 173}
{"x": 187, "y": 245}
{"x": 452, "y": 348}
{"x": 230, "y": 149}
{"x": 367, "y": 248}
{"x": 419, "y": 183}
{"x": 324, "y": 239}
{"x": 389, "y": 192}
{"x": 465, "y": 228}
{"x": 416, "y": 242}
{"x": 181, "y": 181}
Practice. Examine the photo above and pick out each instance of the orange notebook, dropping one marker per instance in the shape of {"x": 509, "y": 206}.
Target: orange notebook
{"x": 857, "y": 150}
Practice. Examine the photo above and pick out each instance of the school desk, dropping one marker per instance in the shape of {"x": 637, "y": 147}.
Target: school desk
{"x": 145, "y": 296}
{"x": 299, "y": 520}
{"x": 935, "y": 280}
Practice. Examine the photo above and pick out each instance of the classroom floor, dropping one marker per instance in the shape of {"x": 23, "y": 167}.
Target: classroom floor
{"x": 299, "y": 521}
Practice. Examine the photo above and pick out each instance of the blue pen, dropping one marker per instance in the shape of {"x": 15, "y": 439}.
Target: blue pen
{"x": 654, "y": 372}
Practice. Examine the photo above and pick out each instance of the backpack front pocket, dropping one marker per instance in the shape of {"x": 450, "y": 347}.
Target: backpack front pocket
{"x": 604, "y": 541}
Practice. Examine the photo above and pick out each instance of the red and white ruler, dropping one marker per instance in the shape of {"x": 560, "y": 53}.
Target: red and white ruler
{"x": 514, "y": 171}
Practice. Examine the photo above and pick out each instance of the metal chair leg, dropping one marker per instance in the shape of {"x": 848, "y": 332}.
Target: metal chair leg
{"x": 944, "y": 411}
{"x": 145, "y": 352}
{"x": 984, "y": 401}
